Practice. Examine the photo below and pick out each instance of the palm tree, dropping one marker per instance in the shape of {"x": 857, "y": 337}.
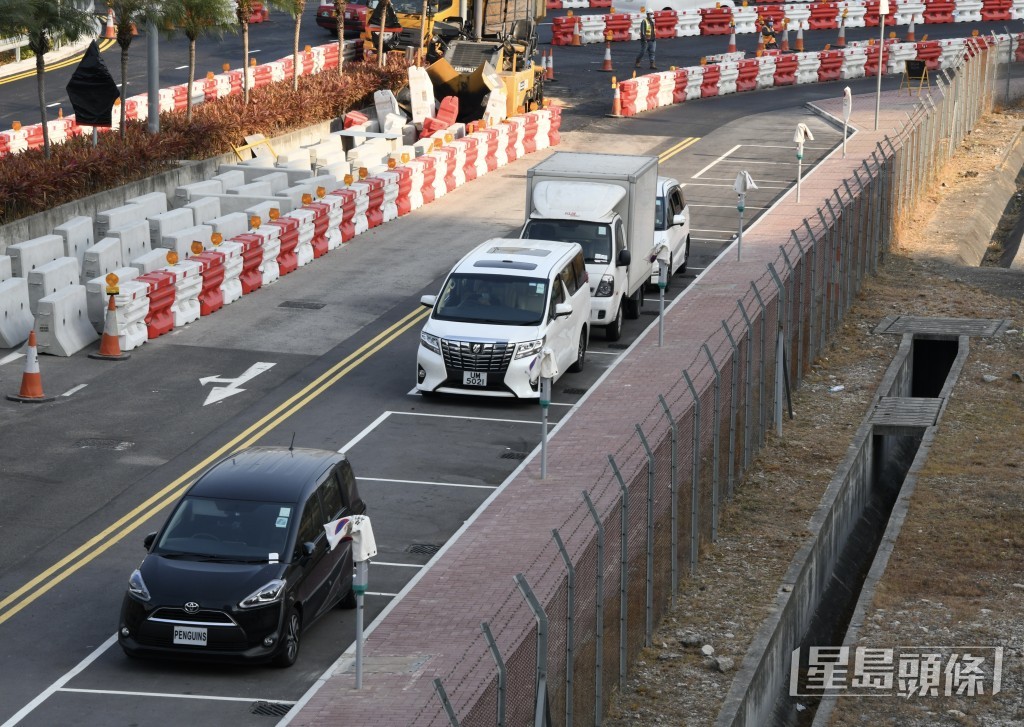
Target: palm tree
{"x": 44, "y": 22}
{"x": 195, "y": 18}
{"x": 130, "y": 15}
{"x": 295, "y": 8}
{"x": 243, "y": 11}
{"x": 339, "y": 10}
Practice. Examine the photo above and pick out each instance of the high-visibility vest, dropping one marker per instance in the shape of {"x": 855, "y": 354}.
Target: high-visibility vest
{"x": 646, "y": 29}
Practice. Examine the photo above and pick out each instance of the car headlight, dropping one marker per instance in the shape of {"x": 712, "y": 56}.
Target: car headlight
{"x": 431, "y": 343}
{"x": 528, "y": 348}
{"x": 606, "y": 287}
{"x": 137, "y": 586}
{"x": 270, "y": 593}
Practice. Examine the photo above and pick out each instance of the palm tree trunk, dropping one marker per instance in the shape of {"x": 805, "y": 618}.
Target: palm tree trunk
{"x": 245, "y": 64}
{"x": 124, "y": 90}
{"x": 295, "y": 54}
{"x": 41, "y": 87}
{"x": 191, "y": 78}
{"x": 339, "y": 8}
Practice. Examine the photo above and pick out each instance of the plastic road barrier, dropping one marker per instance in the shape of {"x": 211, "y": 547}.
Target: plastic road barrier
{"x": 96, "y": 295}
{"x": 161, "y": 291}
{"x": 211, "y": 297}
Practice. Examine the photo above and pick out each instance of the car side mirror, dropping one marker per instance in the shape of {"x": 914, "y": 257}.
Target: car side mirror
{"x": 308, "y": 549}
{"x": 623, "y": 259}
{"x": 428, "y": 301}
{"x": 679, "y": 219}
{"x": 148, "y": 541}
{"x": 563, "y": 309}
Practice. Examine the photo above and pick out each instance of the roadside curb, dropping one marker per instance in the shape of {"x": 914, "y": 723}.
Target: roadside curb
{"x": 29, "y": 64}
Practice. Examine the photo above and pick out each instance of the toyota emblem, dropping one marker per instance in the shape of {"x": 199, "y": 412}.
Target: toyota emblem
{"x": 191, "y": 607}
{"x": 476, "y": 347}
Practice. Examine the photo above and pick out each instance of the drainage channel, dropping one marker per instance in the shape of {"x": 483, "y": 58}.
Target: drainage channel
{"x": 823, "y": 588}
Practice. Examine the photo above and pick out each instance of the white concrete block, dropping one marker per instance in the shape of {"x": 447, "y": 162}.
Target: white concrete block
{"x": 134, "y": 239}
{"x": 15, "y": 314}
{"x": 102, "y": 258}
{"x": 204, "y": 209}
{"x": 62, "y": 324}
{"x": 30, "y": 254}
{"x": 78, "y": 236}
{"x": 50, "y": 278}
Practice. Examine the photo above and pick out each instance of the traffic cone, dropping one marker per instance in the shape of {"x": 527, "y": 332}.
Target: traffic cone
{"x": 110, "y": 32}
{"x": 31, "y": 382}
{"x": 785, "y": 36}
{"x": 616, "y": 100}
{"x": 759, "y": 51}
{"x": 607, "y": 65}
{"x": 544, "y": 64}
{"x": 732, "y": 38}
{"x": 841, "y": 42}
{"x": 910, "y": 31}
{"x": 576, "y": 32}
{"x": 110, "y": 345}
{"x": 800, "y": 38}
{"x": 551, "y": 66}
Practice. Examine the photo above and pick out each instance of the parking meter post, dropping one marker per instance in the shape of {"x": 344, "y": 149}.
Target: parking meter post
{"x": 847, "y": 110}
{"x": 359, "y": 588}
{"x": 545, "y": 402}
{"x": 741, "y": 186}
{"x": 662, "y": 284}
{"x": 883, "y": 10}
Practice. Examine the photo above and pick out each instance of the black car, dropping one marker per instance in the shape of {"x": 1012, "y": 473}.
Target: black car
{"x": 242, "y": 566}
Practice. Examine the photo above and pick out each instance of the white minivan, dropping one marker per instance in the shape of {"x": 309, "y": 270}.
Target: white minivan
{"x": 671, "y": 227}
{"x": 499, "y": 307}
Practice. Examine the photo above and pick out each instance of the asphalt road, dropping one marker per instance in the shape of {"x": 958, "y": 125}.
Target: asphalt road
{"x": 85, "y": 477}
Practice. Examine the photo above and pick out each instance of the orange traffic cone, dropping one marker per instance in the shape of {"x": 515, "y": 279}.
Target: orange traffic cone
{"x": 616, "y": 100}
{"x": 910, "y": 31}
{"x": 607, "y": 65}
{"x": 841, "y": 42}
{"x": 785, "y": 36}
{"x": 732, "y": 38}
{"x": 110, "y": 32}
{"x": 551, "y": 66}
{"x": 800, "y": 39}
{"x": 576, "y": 31}
{"x": 31, "y": 382}
{"x": 110, "y": 345}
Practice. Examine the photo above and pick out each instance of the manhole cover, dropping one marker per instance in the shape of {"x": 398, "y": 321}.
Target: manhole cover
{"x": 619, "y": 346}
{"x": 423, "y": 548}
{"x": 270, "y": 709}
{"x": 574, "y": 391}
{"x": 514, "y": 455}
{"x": 115, "y": 445}
{"x": 301, "y": 304}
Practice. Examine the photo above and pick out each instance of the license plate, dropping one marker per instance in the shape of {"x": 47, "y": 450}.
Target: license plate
{"x": 189, "y": 636}
{"x": 474, "y": 378}
{"x": 348, "y": 16}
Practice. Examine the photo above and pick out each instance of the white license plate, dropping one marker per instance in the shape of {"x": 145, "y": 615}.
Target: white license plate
{"x": 474, "y": 378}
{"x": 348, "y": 16}
{"x": 189, "y": 636}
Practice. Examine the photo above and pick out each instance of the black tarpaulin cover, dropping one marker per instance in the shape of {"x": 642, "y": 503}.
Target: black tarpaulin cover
{"x": 92, "y": 90}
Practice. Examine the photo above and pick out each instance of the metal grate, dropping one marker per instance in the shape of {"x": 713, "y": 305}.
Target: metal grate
{"x": 896, "y": 414}
{"x": 574, "y": 391}
{"x": 270, "y": 709}
{"x": 423, "y": 548}
{"x": 302, "y": 304}
{"x": 513, "y": 455}
{"x": 983, "y": 327}
{"x": 116, "y": 445}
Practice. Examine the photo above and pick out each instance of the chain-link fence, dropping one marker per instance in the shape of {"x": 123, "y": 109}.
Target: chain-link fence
{"x": 561, "y": 642}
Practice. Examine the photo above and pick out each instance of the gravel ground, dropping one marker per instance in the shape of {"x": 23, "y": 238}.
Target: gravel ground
{"x": 956, "y": 576}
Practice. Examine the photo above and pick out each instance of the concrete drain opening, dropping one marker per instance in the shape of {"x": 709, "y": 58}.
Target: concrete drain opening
{"x": 863, "y": 507}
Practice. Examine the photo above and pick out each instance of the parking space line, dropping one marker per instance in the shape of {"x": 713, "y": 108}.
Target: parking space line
{"x": 604, "y": 353}
{"x": 379, "y": 593}
{"x": 424, "y": 482}
{"x": 175, "y": 696}
{"x": 10, "y": 357}
{"x": 464, "y": 416}
{"x": 727, "y": 206}
{"x": 73, "y": 389}
{"x": 697, "y": 175}
{"x": 398, "y": 565}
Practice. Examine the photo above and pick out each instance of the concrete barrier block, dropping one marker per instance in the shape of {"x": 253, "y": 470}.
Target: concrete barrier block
{"x": 181, "y": 241}
{"x": 276, "y": 180}
{"x": 30, "y": 254}
{"x": 154, "y": 203}
{"x": 230, "y": 177}
{"x": 187, "y": 192}
{"x": 15, "y": 315}
{"x": 230, "y": 225}
{"x": 102, "y": 258}
{"x": 62, "y": 324}
{"x": 168, "y": 222}
{"x": 118, "y": 217}
{"x": 252, "y": 173}
{"x": 204, "y": 209}
{"x": 147, "y": 262}
{"x": 261, "y": 189}
{"x": 134, "y": 239}
{"x": 5, "y": 268}
{"x": 78, "y": 236}
{"x": 96, "y": 297}
{"x": 50, "y": 278}
{"x": 262, "y": 209}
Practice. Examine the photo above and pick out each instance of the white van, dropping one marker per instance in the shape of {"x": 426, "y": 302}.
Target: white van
{"x": 500, "y": 306}
{"x": 671, "y": 227}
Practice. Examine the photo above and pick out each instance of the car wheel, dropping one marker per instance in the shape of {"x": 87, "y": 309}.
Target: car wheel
{"x": 581, "y": 353}
{"x": 633, "y": 303}
{"x": 686, "y": 257}
{"x": 613, "y": 331}
{"x": 288, "y": 652}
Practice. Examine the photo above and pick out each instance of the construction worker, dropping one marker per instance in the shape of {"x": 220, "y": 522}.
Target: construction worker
{"x": 768, "y": 34}
{"x": 648, "y": 41}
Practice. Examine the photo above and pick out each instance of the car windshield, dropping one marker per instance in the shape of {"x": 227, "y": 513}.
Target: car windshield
{"x": 503, "y": 299}
{"x": 594, "y": 237}
{"x": 659, "y": 214}
{"x": 226, "y": 529}
{"x": 404, "y": 6}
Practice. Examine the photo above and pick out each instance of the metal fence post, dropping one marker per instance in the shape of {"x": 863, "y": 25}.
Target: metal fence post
{"x": 800, "y": 307}
{"x": 496, "y": 653}
{"x": 443, "y": 696}
{"x": 694, "y": 479}
{"x": 570, "y": 574}
{"x": 649, "y": 607}
{"x": 748, "y": 399}
{"x": 540, "y": 707}
{"x": 762, "y": 411}
{"x": 795, "y": 304}
{"x": 781, "y": 375}
{"x": 599, "y": 613}
{"x": 674, "y": 497}
{"x": 715, "y": 436}
{"x": 623, "y": 570}
{"x": 734, "y": 385}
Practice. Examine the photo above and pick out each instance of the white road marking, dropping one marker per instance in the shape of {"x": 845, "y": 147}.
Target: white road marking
{"x": 180, "y": 68}
{"x": 373, "y": 425}
{"x": 10, "y": 357}
{"x": 464, "y": 416}
{"x": 698, "y": 174}
{"x": 222, "y": 392}
{"x": 379, "y": 593}
{"x": 727, "y": 206}
{"x": 398, "y": 565}
{"x": 603, "y": 353}
{"x": 174, "y": 696}
{"x": 723, "y": 232}
{"x": 424, "y": 482}
{"x": 73, "y": 389}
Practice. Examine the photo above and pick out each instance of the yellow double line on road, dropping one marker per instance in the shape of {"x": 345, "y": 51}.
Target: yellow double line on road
{"x": 114, "y": 533}
{"x": 676, "y": 148}
{"x": 104, "y": 43}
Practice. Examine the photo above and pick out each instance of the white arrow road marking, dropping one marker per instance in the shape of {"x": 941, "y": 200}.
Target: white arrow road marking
{"x": 233, "y": 385}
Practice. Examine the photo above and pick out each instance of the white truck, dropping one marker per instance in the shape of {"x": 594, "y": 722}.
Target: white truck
{"x": 605, "y": 202}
